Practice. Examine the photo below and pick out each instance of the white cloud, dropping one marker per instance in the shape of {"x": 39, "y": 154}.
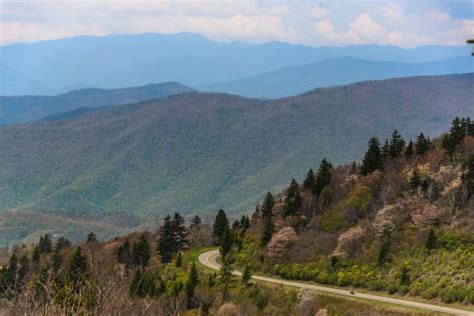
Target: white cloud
{"x": 318, "y": 12}
{"x": 403, "y": 23}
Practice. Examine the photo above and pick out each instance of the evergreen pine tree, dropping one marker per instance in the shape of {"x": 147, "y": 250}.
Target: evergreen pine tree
{"x": 35, "y": 257}
{"x": 246, "y": 276}
{"x": 179, "y": 260}
{"x": 309, "y": 181}
{"x": 61, "y": 243}
{"x": 192, "y": 280}
{"x": 397, "y": 143}
{"x": 267, "y": 206}
{"x": 45, "y": 245}
{"x": 196, "y": 220}
{"x": 431, "y": 240}
{"x": 405, "y": 276}
{"x": 415, "y": 180}
{"x": 141, "y": 251}
{"x": 226, "y": 242}
{"x": 354, "y": 168}
{"x": 468, "y": 177}
{"x": 244, "y": 223}
{"x": 77, "y": 268}
{"x": 220, "y": 225}
{"x": 225, "y": 276}
{"x": 267, "y": 232}
{"x": 373, "y": 159}
{"x": 323, "y": 177}
{"x": 91, "y": 238}
{"x": 142, "y": 285}
{"x": 236, "y": 224}
{"x": 124, "y": 255}
{"x": 57, "y": 262}
{"x": 24, "y": 266}
{"x": 165, "y": 241}
{"x": 423, "y": 144}
{"x": 409, "y": 151}
{"x": 384, "y": 248}
{"x": 180, "y": 233}
{"x": 293, "y": 199}
{"x": 386, "y": 149}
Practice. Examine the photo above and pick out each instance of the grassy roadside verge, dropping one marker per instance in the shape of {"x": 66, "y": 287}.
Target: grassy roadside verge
{"x": 378, "y": 304}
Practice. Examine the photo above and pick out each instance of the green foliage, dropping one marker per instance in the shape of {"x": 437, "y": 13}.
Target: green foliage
{"x": 293, "y": 200}
{"x": 179, "y": 260}
{"x": 246, "y": 276}
{"x": 323, "y": 177}
{"x": 309, "y": 180}
{"x": 192, "y": 280}
{"x": 109, "y": 182}
{"x": 78, "y": 268}
{"x": 373, "y": 159}
{"x": 141, "y": 252}
{"x": 431, "y": 240}
{"x": 180, "y": 233}
{"x": 196, "y": 220}
{"x": 468, "y": 177}
{"x": 221, "y": 223}
{"x": 405, "y": 276}
{"x": 384, "y": 249}
{"x": 45, "y": 245}
{"x": 397, "y": 143}
{"x": 460, "y": 128}
{"x": 165, "y": 241}
{"x": 146, "y": 284}
{"x": 267, "y": 231}
{"x": 61, "y": 243}
{"x": 267, "y": 205}
{"x": 91, "y": 238}
{"x": 226, "y": 243}
{"x": 124, "y": 254}
{"x": 409, "y": 151}
{"x": 423, "y": 144}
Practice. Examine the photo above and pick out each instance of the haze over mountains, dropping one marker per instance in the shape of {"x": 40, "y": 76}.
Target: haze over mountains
{"x": 196, "y": 152}
{"x": 50, "y": 67}
{"x": 18, "y": 109}
{"x": 298, "y": 79}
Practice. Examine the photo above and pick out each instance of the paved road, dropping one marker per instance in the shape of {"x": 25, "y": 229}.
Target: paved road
{"x": 209, "y": 259}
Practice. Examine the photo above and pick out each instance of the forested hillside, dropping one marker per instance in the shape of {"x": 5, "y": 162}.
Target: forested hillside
{"x": 20, "y": 109}
{"x": 398, "y": 223}
{"x": 401, "y": 221}
{"x": 197, "y": 152}
{"x": 298, "y": 79}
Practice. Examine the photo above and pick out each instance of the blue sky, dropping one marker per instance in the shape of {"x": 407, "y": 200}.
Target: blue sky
{"x": 315, "y": 23}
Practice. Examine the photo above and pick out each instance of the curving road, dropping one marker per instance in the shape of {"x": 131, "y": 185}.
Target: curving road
{"x": 209, "y": 259}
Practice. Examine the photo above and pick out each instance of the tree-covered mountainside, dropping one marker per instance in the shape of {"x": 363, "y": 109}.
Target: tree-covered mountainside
{"x": 48, "y": 67}
{"x": 298, "y": 79}
{"x": 197, "y": 152}
{"x": 20, "y": 109}
{"x": 399, "y": 223}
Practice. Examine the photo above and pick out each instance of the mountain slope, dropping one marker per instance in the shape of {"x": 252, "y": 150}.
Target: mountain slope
{"x": 132, "y": 60}
{"x": 30, "y": 108}
{"x": 197, "y": 152}
{"x": 297, "y": 79}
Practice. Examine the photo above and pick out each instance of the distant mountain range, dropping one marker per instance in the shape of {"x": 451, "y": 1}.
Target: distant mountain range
{"x": 298, "y": 79}
{"x": 18, "y": 109}
{"x": 114, "y": 168}
{"x": 51, "y": 67}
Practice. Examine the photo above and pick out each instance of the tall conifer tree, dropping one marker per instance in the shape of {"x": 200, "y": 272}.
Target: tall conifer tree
{"x": 373, "y": 159}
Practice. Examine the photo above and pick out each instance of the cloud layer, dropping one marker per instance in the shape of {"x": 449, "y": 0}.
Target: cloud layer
{"x": 315, "y": 23}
